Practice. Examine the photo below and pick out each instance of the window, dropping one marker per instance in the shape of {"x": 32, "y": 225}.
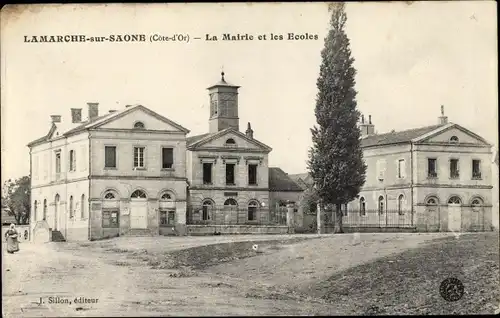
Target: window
{"x": 362, "y": 206}
{"x": 344, "y": 210}
{"x": 476, "y": 204}
{"x": 476, "y": 169}
{"x": 252, "y": 211}
{"x": 45, "y": 166}
{"x": 71, "y": 207}
{"x": 72, "y": 160}
{"x": 454, "y": 139}
{"x": 401, "y": 168}
{"x": 380, "y": 204}
{"x": 35, "y": 208}
{"x": 454, "y": 173}
{"x": 109, "y": 196}
{"x": 166, "y": 196}
{"x": 230, "y": 141}
{"x": 381, "y": 169}
{"x": 138, "y": 157}
{"x": 139, "y": 125}
{"x": 252, "y": 174}
{"x": 230, "y": 173}
{"x": 110, "y": 218}
{"x": 138, "y": 194}
{"x": 207, "y": 173}
{"x": 110, "y": 157}
{"x": 400, "y": 204}
{"x": 58, "y": 165}
{"x": 167, "y": 217}
{"x": 454, "y": 200}
{"x": 167, "y": 158}
{"x": 431, "y": 201}
{"x": 206, "y": 210}
{"x": 82, "y": 207}
{"x": 431, "y": 168}
{"x": 44, "y": 209}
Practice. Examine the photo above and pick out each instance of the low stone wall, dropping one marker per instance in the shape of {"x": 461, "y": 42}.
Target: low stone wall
{"x": 236, "y": 229}
{"x": 23, "y": 230}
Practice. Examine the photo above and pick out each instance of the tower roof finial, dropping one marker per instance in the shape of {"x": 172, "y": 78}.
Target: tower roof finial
{"x": 222, "y": 73}
{"x": 442, "y": 110}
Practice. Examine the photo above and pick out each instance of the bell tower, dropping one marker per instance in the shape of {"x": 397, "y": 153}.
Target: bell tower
{"x": 223, "y": 106}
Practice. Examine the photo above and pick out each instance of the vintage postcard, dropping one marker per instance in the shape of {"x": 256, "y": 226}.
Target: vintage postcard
{"x": 249, "y": 159}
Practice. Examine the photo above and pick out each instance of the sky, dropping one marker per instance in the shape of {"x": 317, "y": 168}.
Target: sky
{"x": 410, "y": 60}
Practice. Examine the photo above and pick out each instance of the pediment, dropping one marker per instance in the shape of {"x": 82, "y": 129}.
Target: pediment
{"x": 141, "y": 116}
{"x": 453, "y": 134}
{"x": 224, "y": 140}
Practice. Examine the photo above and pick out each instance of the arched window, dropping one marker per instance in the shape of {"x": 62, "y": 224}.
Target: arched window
{"x": 362, "y": 206}
{"x": 400, "y": 204}
{"x": 230, "y": 141}
{"x": 82, "y": 207}
{"x": 207, "y": 207}
{"x": 454, "y": 200}
{"x": 431, "y": 204}
{"x": 252, "y": 210}
{"x": 35, "y": 208}
{"x": 381, "y": 204}
{"x": 71, "y": 207}
{"x": 476, "y": 204}
{"x": 454, "y": 139}
{"x": 109, "y": 196}
{"x": 44, "y": 209}
{"x": 138, "y": 194}
{"x": 230, "y": 202}
{"x": 139, "y": 125}
{"x": 166, "y": 196}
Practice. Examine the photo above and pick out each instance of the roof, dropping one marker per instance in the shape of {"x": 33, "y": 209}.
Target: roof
{"x": 68, "y": 128}
{"x": 223, "y": 82}
{"x": 280, "y": 181}
{"x": 397, "y": 137}
{"x": 194, "y": 139}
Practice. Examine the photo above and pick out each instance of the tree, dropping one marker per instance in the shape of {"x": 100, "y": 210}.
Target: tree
{"x": 336, "y": 159}
{"x": 16, "y": 196}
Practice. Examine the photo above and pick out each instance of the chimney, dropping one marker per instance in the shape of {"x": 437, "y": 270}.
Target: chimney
{"x": 249, "y": 131}
{"x": 55, "y": 118}
{"x": 443, "y": 120}
{"x": 366, "y": 129}
{"x": 93, "y": 110}
{"x": 76, "y": 115}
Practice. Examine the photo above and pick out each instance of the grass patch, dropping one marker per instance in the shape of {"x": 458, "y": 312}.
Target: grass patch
{"x": 408, "y": 283}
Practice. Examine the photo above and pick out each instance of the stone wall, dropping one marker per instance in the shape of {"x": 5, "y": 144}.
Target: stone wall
{"x": 236, "y": 229}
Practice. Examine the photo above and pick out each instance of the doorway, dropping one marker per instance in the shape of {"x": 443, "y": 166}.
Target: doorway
{"x": 138, "y": 210}
{"x": 454, "y": 214}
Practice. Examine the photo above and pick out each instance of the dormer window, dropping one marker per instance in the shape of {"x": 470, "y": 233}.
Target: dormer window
{"x": 230, "y": 142}
{"x": 139, "y": 125}
{"x": 454, "y": 139}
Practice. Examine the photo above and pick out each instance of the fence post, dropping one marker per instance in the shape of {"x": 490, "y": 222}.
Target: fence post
{"x": 290, "y": 218}
{"x": 319, "y": 220}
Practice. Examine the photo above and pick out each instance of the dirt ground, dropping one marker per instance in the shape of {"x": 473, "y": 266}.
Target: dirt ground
{"x": 206, "y": 276}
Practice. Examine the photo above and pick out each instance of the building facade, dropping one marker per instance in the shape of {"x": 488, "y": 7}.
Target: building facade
{"x": 134, "y": 172}
{"x": 112, "y": 174}
{"x": 433, "y": 178}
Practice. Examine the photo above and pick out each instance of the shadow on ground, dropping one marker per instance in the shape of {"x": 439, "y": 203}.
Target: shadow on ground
{"x": 408, "y": 283}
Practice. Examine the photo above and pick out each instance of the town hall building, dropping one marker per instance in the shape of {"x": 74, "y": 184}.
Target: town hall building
{"x": 135, "y": 172}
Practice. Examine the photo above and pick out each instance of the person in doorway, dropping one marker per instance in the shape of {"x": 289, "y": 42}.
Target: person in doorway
{"x": 12, "y": 239}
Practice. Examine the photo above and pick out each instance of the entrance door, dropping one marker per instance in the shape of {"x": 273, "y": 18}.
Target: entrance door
{"x": 454, "y": 214}
{"x": 138, "y": 214}
{"x": 56, "y": 212}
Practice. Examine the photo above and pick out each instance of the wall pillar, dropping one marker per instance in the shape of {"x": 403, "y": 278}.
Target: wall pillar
{"x": 290, "y": 218}
{"x": 180, "y": 218}
{"x": 320, "y": 220}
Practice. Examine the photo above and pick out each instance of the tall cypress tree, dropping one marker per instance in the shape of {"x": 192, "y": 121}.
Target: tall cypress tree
{"x": 336, "y": 158}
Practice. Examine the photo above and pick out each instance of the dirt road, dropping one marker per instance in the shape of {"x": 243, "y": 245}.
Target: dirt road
{"x": 124, "y": 276}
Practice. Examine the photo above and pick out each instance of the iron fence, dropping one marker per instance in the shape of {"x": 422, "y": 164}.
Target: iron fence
{"x": 198, "y": 215}
{"x": 372, "y": 218}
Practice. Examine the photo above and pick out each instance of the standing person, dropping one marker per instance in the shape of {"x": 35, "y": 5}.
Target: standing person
{"x": 12, "y": 239}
